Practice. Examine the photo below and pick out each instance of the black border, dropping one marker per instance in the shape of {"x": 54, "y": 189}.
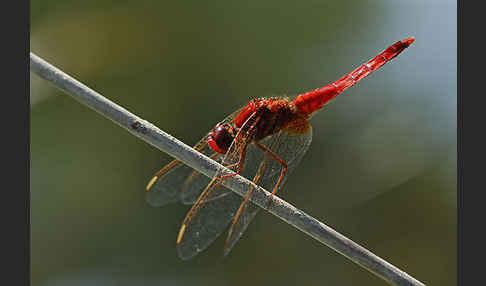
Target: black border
{"x": 26, "y": 219}
{"x": 471, "y": 143}
{"x": 15, "y": 210}
{"x": 26, "y": 134}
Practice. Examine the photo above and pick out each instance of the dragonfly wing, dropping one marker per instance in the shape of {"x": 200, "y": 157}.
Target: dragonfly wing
{"x": 196, "y": 182}
{"x": 212, "y": 212}
{"x": 161, "y": 194}
{"x": 165, "y": 186}
{"x": 290, "y": 145}
{"x": 211, "y": 220}
{"x": 178, "y": 182}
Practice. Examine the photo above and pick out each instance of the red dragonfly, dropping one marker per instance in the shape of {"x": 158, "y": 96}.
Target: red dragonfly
{"x": 263, "y": 140}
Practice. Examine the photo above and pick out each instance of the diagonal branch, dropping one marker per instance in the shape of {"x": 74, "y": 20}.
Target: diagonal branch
{"x": 175, "y": 148}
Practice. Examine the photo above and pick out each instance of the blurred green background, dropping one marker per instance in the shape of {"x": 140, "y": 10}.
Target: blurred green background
{"x": 381, "y": 168}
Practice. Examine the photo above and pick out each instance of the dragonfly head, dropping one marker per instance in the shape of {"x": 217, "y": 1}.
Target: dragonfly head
{"x": 220, "y": 137}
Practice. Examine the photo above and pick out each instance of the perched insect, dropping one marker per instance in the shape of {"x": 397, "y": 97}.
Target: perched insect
{"x": 263, "y": 140}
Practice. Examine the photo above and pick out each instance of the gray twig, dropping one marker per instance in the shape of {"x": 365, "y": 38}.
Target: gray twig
{"x": 175, "y": 148}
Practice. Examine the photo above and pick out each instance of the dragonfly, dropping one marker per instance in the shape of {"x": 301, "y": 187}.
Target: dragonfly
{"x": 263, "y": 141}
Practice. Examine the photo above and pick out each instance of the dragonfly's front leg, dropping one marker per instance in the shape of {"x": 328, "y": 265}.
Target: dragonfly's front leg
{"x": 245, "y": 139}
{"x": 240, "y": 163}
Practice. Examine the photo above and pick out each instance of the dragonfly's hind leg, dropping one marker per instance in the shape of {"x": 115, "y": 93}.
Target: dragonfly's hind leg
{"x": 282, "y": 173}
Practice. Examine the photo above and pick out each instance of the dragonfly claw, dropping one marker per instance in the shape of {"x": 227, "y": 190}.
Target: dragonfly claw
{"x": 270, "y": 202}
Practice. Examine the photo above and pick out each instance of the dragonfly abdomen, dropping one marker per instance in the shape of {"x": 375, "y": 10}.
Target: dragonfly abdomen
{"x": 312, "y": 101}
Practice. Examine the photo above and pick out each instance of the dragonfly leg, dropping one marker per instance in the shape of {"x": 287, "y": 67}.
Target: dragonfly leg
{"x": 244, "y": 145}
{"x": 240, "y": 163}
{"x": 282, "y": 173}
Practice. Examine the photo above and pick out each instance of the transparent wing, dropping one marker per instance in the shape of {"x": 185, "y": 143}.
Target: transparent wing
{"x": 210, "y": 220}
{"x": 178, "y": 182}
{"x": 209, "y": 216}
{"x": 290, "y": 145}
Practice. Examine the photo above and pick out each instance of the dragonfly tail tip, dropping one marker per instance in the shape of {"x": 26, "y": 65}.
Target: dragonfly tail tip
{"x": 409, "y": 40}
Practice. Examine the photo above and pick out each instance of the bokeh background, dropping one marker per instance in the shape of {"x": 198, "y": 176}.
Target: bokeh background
{"x": 381, "y": 168}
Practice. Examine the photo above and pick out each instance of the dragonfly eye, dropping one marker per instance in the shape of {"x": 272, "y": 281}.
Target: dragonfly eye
{"x": 221, "y": 137}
